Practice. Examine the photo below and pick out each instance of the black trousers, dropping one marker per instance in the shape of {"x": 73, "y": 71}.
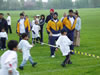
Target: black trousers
{"x": 67, "y": 59}
{"x": 3, "y": 43}
{"x": 35, "y": 40}
{"x": 41, "y": 33}
{"x": 9, "y": 29}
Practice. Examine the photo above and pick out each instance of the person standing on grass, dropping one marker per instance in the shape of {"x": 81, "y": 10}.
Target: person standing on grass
{"x": 69, "y": 23}
{"x": 9, "y": 23}
{"x": 23, "y": 26}
{"x": 50, "y": 16}
{"x": 41, "y": 23}
{"x": 25, "y": 47}
{"x": 3, "y": 24}
{"x": 35, "y": 32}
{"x": 77, "y": 30}
{"x": 3, "y": 38}
{"x": 64, "y": 42}
{"x": 9, "y": 60}
{"x": 53, "y": 28}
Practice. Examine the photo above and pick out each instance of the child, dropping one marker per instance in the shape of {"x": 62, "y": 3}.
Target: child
{"x": 35, "y": 32}
{"x": 3, "y": 38}
{"x": 37, "y": 18}
{"x": 25, "y": 47}
{"x": 64, "y": 42}
{"x": 42, "y": 22}
{"x": 9, "y": 60}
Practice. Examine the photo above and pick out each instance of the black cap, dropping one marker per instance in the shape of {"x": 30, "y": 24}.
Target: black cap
{"x": 55, "y": 13}
{"x": 21, "y": 14}
{"x": 71, "y": 11}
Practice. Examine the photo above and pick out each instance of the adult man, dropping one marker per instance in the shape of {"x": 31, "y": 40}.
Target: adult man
{"x": 50, "y": 16}
{"x": 3, "y": 23}
{"x": 69, "y": 23}
{"x": 23, "y": 25}
{"x": 53, "y": 28}
{"x": 9, "y": 22}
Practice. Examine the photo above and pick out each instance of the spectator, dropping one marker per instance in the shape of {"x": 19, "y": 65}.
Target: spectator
{"x": 77, "y": 30}
{"x": 42, "y": 22}
{"x": 9, "y": 23}
{"x": 49, "y": 17}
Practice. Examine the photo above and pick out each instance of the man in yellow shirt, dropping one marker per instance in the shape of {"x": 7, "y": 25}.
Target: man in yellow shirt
{"x": 53, "y": 28}
{"x": 69, "y": 23}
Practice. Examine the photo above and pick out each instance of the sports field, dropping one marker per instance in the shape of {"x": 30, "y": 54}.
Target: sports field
{"x": 82, "y": 65}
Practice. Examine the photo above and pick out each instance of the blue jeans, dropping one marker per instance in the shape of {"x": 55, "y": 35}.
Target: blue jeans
{"x": 24, "y": 61}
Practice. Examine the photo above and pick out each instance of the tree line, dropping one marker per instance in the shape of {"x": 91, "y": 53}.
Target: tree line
{"x": 57, "y": 4}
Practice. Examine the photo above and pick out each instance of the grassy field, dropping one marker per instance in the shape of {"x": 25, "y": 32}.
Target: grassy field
{"x": 82, "y": 65}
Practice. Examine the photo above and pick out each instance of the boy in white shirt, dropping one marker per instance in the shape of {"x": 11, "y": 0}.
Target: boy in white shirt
{"x": 3, "y": 38}
{"x": 9, "y": 60}
{"x": 64, "y": 42}
{"x": 35, "y": 32}
{"x": 9, "y": 22}
{"x": 25, "y": 47}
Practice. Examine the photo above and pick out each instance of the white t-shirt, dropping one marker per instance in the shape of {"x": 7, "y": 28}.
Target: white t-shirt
{"x": 25, "y": 47}
{"x": 9, "y": 57}
{"x": 9, "y": 20}
{"x": 36, "y": 29}
{"x": 3, "y": 35}
{"x": 33, "y": 22}
{"x": 55, "y": 21}
{"x": 22, "y": 27}
{"x": 71, "y": 20}
{"x": 64, "y": 42}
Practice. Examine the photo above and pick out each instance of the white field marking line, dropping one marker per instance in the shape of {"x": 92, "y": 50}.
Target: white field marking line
{"x": 55, "y": 70}
{"x": 58, "y": 62}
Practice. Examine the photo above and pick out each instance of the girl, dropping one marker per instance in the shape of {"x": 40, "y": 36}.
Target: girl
{"x": 77, "y": 30}
{"x": 42, "y": 22}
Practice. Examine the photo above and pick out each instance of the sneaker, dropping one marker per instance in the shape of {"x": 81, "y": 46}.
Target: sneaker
{"x": 21, "y": 68}
{"x": 34, "y": 64}
{"x": 4, "y": 48}
{"x": 63, "y": 65}
{"x": 42, "y": 43}
{"x": 69, "y": 62}
{"x": 72, "y": 53}
{"x": 53, "y": 56}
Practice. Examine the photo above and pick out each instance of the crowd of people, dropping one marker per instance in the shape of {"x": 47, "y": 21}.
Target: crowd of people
{"x": 63, "y": 34}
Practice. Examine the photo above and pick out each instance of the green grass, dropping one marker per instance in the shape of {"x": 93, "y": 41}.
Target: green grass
{"x": 82, "y": 65}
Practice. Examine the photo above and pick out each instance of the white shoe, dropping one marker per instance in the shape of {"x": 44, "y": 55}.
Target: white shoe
{"x": 42, "y": 43}
{"x": 4, "y": 48}
{"x": 53, "y": 56}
